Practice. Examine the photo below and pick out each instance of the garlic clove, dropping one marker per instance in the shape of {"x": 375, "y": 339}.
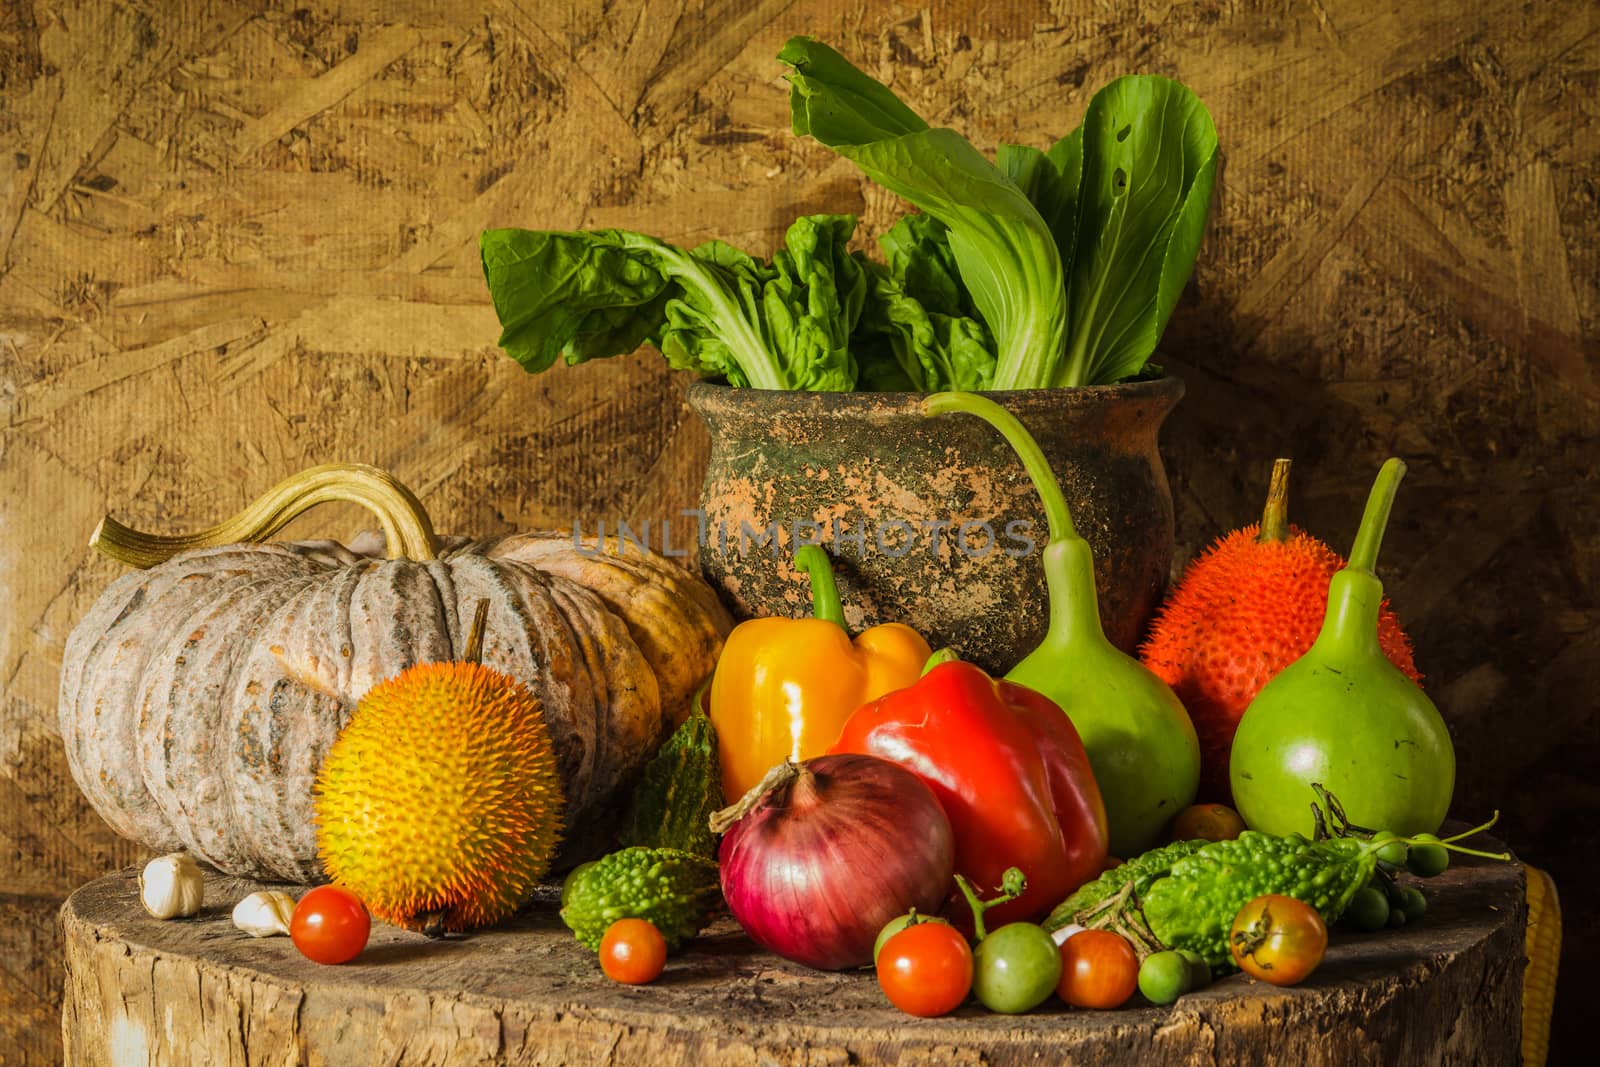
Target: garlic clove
{"x": 264, "y": 914}
{"x": 172, "y": 886}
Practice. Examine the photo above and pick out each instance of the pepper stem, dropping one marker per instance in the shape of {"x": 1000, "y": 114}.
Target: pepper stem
{"x": 1364, "y": 555}
{"x": 825, "y": 603}
{"x": 407, "y": 533}
{"x": 1275, "y": 516}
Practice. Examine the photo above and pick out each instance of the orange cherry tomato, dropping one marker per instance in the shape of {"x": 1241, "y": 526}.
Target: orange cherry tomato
{"x": 1207, "y": 822}
{"x": 926, "y": 969}
{"x": 632, "y": 951}
{"x": 1099, "y": 969}
{"x": 1278, "y": 939}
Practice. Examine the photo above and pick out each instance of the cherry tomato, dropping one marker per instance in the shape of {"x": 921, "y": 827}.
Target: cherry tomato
{"x": 632, "y": 951}
{"x": 1199, "y": 969}
{"x": 1015, "y": 968}
{"x": 1278, "y": 939}
{"x": 1207, "y": 822}
{"x": 1368, "y": 909}
{"x": 1413, "y": 903}
{"x": 1391, "y": 849}
{"x": 1165, "y": 976}
{"x": 1099, "y": 969}
{"x": 895, "y": 925}
{"x": 926, "y": 969}
{"x": 330, "y": 925}
{"x": 1426, "y": 857}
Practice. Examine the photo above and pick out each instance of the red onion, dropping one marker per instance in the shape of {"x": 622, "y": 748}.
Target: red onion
{"x": 825, "y": 852}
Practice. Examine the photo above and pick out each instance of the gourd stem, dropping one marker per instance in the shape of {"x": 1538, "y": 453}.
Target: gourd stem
{"x": 1364, "y": 555}
{"x": 407, "y": 532}
{"x": 825, "y": 603}
{"x": 943, "y": 655}
{"x": 1275, "y": 516}
{"x": 1027, "y": 449}
{"x": 480, "y": 623}
{"x": 1067, "y": 559}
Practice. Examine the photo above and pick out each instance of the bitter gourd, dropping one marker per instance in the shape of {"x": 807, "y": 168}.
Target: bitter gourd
{"x": 1142, "y": 870}
{"x": 673, "y": 889}
{"x": 1194, "y": 905}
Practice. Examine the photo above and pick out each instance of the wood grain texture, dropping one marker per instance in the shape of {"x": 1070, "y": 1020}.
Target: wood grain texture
{"x": 236, "y": 239}
{"x": 1442, "y": 992}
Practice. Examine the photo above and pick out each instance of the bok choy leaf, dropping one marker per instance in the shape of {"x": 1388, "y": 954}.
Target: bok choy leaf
{"x": 1074, "y": 257}
{"x": 1005, "y": 250}
{"x": 714, "y": 310}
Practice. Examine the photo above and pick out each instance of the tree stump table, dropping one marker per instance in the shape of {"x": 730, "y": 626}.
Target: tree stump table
{"x": 197, "y": 991}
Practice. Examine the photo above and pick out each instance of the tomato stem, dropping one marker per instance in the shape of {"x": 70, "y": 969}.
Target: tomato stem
{"x": 1011, "y": 886}
{"x": 1122, "y": 914}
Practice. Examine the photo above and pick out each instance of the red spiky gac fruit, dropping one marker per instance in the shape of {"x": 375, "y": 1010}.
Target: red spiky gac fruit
{"x": 1245, "y": 609}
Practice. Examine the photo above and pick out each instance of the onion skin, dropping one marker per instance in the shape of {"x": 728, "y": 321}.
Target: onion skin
{"x": 832, "y": 850}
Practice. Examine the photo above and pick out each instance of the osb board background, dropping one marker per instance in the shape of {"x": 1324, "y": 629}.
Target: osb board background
{"x": 237, "y": 238}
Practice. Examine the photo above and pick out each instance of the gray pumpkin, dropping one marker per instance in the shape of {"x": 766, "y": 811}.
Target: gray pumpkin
{"x": 199, "y": 696}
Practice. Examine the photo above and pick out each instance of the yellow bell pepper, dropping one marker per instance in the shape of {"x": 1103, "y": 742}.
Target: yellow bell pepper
{"x": 783, "y": 688}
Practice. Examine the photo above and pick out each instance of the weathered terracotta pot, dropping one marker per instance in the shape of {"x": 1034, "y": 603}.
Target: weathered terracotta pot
{"x": 867, "y": 469}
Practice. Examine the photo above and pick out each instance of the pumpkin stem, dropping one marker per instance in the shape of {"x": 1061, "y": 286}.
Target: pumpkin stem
{"x": 407, "y": 532}
{"x": 480, "y": 623}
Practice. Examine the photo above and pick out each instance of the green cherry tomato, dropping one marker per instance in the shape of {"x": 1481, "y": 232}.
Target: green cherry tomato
{"x": 1427, "y": 858}
{"x": 1397, "y": 916}
{"x": 1391, "y": 849}
{"x": 1413, "y": 903}
{"x": 1368, "y": 909}
{"x": 1015, "y": 968}
{"x": 1199, "y": 969}
{"x": 1164, "y": 977}
{"x": 895, "y": 925}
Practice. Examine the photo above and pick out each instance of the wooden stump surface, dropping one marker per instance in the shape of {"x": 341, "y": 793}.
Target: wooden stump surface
{"x": 197, "y": 991}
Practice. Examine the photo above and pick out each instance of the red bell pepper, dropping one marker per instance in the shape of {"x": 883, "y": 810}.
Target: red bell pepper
{"x": 1010, "y": 770}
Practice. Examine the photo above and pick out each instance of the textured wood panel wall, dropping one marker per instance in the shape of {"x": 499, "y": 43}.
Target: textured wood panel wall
{"x": 237, "y": 238}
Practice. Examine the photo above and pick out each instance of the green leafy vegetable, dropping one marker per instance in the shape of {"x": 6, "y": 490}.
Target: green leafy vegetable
{"x": 1149, "y": 157}
{"x": 921, "y": 315}
{"x": 1006, "y": 251}
{"x": 714, "y": 310}
{"x": 1074, "y": 257}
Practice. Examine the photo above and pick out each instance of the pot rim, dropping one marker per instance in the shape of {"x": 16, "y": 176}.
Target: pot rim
{"x": 705, "y": 394}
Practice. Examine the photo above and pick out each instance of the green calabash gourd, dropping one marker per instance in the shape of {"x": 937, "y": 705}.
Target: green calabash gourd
{"x": 1140, "y": 741}
{"x": 1342, "y": 715}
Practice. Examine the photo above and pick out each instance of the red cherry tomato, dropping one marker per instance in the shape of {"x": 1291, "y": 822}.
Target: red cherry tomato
{"x": 632, "y": 951}
{"x": 1099, "y": 969}
{"x": 1278, "y": 939}
{"x": 330, "y": 925}
{"x": 926, "y": 969}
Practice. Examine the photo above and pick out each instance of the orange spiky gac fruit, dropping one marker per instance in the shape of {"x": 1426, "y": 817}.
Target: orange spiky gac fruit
{"x": 440, "y": 803}
{"x": 1245, "y": 609}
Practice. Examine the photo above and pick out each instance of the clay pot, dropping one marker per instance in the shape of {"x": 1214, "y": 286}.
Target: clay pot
{"x": 932, "y": 521}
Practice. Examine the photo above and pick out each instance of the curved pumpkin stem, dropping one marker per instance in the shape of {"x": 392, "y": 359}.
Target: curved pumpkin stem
{"x": 407, "y": 532}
